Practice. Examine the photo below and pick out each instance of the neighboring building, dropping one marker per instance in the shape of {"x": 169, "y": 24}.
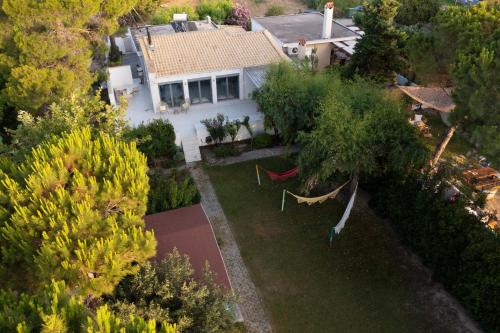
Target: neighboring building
{"x": 299, "y": 34}
{"x": 188, "y": 229}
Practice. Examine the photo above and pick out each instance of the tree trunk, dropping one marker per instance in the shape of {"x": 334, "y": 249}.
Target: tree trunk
{"x": 442, "y": 146}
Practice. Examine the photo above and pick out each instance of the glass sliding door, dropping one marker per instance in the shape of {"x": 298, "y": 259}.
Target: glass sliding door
{"x": 228, "y": 87}
{"x": 200, "y": 91}
{"x": 206, "y": 91}
{"x": 172, "y": 94}
{"x": 194, "y": 92}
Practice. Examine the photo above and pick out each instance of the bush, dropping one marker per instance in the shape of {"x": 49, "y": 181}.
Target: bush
{"x": 216, "y": 128}
{"x": 170, "y": 192}
{"x": 218, "y": 10}
{"x": 240, "y": 15}
{"x": 274, "y": 10}
{"x": 226, "y": 151}
{"x": 168, "y": 291}
{"x": 462, "y": 253}
{"x": 263, "y": 140}
{"x": 155, "y": 139}
{"x": 166, "y": 15}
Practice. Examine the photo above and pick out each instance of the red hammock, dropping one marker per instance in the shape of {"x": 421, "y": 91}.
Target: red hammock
{"x": 282, "y": 175}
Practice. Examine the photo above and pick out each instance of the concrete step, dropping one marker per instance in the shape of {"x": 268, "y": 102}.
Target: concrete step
{"x": 191, "y": 148}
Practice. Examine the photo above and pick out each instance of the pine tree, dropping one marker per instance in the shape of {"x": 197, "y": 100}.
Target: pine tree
{"x": 73, "y": 212}
{"x": 379, "y": 53}
{"x": 46, "y": 47}
{"x": 54, "y": 310}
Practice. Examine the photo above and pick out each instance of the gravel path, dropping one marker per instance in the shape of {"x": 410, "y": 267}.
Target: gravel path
{"x": 251, "y": 307}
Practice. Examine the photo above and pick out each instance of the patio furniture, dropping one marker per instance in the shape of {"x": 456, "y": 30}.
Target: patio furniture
{"x": 416, "y": 120}
{"x": 163, "y": 107}
{"x": 185, "y": 106}
{"x": 416, "y": 107}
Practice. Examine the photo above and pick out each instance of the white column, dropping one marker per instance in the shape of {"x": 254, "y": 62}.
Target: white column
{"x": 213, "y": 78}
{"x": 240, "y": 84}
{"x": 185, "y": 88}
{"x": 155, "y": 92}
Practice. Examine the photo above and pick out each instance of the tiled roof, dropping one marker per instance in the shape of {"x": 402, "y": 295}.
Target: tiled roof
{"x": 207, "y": 51}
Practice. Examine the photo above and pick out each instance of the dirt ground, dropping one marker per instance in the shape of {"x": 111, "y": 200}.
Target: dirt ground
{"x": 257, "y": 7}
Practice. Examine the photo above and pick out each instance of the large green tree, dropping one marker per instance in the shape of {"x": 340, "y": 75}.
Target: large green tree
{"x": 359, "y": 132}
{"x": 72, "y": 211}
{"x": 417, "y": 11}
{"x": 434, "y": 51}
{"x": 379, "y": 53}
{"x": 46, "y": 52}
{"x": 66, "y": 115}
{"x": 290, "y": 98}
{"x": 54, "y": 310}
{"x": 477, "y": 95}
{"x": 167, "y": 291}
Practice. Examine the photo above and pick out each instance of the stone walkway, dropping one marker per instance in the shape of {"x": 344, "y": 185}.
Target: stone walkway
{"x": 251, "y": 306}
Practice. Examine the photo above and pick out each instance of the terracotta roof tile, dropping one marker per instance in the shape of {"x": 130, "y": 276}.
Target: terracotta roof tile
{"x": 206, "y": 51}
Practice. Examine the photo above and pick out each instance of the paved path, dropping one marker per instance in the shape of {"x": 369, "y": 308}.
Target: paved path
{"x": 251, "y": 307}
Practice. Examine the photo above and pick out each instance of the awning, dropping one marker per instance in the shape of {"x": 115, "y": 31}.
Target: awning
{"x": 431, "y": 97}
{"x": 257, "y": 75}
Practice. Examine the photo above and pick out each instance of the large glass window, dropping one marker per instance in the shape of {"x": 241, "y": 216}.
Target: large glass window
{"x": 228, "y": 87}
{"x": 200, "y": 91}
{"x": 172, "y": 94}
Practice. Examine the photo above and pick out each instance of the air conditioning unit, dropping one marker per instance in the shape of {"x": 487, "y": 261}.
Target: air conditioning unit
{"x": 293, "y": 50}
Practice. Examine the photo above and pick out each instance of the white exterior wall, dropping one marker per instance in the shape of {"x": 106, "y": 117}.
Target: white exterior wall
{"x": 119, "y": 76}
{"x": 185, "y": 78}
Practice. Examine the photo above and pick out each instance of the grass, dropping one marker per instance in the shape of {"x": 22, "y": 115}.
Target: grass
{"x": 361, "y": 284}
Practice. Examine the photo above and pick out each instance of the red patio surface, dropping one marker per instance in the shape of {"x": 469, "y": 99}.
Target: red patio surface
{"x": 189, "y": 230}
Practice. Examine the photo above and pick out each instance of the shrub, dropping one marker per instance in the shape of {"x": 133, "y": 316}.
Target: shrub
{"x": 218, "y": 10}
{"x": 263, "y": 140}
{"x": 226, "y": 151}
{"x": 170, "y": 192}
{"x": 216, "y": 128}
{"x": 274, "y": 10}
{"x": 240, "y": 15}
{"x": 155, "y": 139}
{"x": 166, "y": 15}
{"x": 168, "y": 291}
{"x": 232, "y": 128}
{"x": 462, "y": 253}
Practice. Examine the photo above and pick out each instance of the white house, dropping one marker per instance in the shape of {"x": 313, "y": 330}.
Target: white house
{"x": 204, "y": 66}
{"x": 193, "y": 71}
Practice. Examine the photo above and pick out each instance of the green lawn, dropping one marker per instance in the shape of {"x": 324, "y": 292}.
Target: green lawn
{"x": 361, "y": 284}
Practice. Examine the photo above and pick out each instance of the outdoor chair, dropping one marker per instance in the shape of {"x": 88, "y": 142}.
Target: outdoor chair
{"x": 163, "y": 107}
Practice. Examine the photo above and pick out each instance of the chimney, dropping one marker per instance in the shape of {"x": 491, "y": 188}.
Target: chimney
{"x": 327, "y": 21}
{"x": 209, "y": 20}
{"x": 150, "y": 42}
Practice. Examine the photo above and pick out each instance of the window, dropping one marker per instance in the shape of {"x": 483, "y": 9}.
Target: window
{"x": 200, "y": 91}
{"x": 172, "y": 94}
{"x": 228, "y": 87}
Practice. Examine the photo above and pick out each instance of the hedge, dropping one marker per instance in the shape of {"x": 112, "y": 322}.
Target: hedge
{"x": 463, "y": 254}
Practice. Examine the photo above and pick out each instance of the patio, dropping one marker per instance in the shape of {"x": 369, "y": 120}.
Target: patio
{"x": 140, "y": 110}
{"x": 188, "y": 128}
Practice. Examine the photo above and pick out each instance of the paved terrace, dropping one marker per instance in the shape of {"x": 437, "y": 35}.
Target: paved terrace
{"x": 140, "y": 110}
